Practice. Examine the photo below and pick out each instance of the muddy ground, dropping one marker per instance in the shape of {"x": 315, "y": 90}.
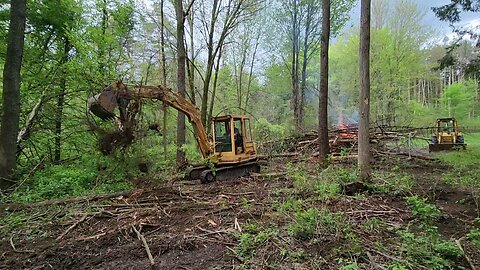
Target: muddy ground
{"x": 188, "y": 225}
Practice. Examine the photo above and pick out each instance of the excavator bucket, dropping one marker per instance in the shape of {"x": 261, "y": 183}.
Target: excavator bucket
{"x": 103, "y": 105}
{"x": 446, "y": 147}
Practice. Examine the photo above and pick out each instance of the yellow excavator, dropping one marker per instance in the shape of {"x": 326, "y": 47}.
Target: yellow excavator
{"x": 230, "y": 147}
{"x": 446, "y": 136}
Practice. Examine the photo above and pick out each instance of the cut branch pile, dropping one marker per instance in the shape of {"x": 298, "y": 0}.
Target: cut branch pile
{"x": 343, "y": 143}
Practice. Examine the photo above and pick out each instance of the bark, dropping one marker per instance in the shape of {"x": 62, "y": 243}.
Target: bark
{"x": 364, "y": 108}
{"x": 324, "y": 148}
{"x": 190, "y": 64}
{"x": 11, "y": 93}
{"x": 181, "y": 58}
{"x": 306, "y": 48}
{"x": 250, "y": 75}
{"x": 215, "y": 79}
{"x": 210, "y": 62}
{"x": 26, "y": 130}
{"x": 235, "y": 10}
{"x": 164, "y": 77}
{"x": 295, "y": 64}
{"x": 61, "y": 102}
{"x": 240, "y": 76}
{"x": 101, "y": 51}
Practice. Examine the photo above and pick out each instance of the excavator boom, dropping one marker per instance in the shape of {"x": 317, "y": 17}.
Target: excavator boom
{"x": 231, "y": 148}
{"x": 118, "y": 95}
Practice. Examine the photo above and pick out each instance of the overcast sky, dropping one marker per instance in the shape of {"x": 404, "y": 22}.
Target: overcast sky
{"x": 430, "y": 18}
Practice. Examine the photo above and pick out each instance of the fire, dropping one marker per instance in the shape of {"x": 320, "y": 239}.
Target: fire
{"x": 349, "y": 131}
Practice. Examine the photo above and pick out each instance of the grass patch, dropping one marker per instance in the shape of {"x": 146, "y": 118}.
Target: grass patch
{"x": 465, "y": 163}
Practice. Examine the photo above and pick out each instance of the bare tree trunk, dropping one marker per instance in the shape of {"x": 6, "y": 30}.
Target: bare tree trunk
{"x": 61, "y": 102}
{"x": 364, "y": 108}
{"x": 190, "y": 64}
{"x": 250, "y": 75}
{"x": 214, "y": 91}
{"x": 181, "y": 57}
{"x": 164, "y": 77}
{"x": 210, "y": 63}
{"x": 295, "y": 69}
{"x": 11, "y": 93}
{"x": 101, "y": 51}
{"x": 324, "y": 148}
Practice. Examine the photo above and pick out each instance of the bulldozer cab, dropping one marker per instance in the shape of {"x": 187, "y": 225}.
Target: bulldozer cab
{"x": 446, "y": 125}
{"x": 232, "y": 137}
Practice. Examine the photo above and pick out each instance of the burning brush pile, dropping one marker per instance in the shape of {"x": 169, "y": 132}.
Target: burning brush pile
{"x": 343, "y": 140}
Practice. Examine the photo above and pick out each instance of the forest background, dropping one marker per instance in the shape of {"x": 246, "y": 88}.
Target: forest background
{"x": 255, "y": 57}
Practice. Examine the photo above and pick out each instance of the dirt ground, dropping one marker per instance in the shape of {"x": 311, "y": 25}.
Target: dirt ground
{"x": 188, "y": 225}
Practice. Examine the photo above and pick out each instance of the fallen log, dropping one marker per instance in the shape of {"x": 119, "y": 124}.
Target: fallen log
{"x": 411, "y": 154}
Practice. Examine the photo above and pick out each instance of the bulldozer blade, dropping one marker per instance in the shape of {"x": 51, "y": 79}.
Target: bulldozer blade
{"x": 446, "y": 147}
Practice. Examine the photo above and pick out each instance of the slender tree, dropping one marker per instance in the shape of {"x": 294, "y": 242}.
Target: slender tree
{"x": 181, "y": 58}
{"x": 324, "y": 148}
{"x": 364, "y": 108}
{"x": 164, "y": 75}
{"x": 11, "y": 92}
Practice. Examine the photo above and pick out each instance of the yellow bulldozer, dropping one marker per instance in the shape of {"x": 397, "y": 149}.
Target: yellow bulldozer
{"x": 446, "y": 136}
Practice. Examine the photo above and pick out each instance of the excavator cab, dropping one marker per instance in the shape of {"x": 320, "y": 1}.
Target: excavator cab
{"x": 231, "y": 149}
{"x": 232, "y": 138}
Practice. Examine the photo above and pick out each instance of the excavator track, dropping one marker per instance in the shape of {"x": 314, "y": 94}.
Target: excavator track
{"x": 229, "y": 172}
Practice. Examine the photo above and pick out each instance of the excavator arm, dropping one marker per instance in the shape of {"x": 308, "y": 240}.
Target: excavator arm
{"x": 118, "y": 95}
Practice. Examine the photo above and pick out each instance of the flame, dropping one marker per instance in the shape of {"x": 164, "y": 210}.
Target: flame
{"x": 344, "y": 131}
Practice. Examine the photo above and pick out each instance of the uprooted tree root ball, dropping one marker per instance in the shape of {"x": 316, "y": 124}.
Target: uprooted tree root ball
{"x": 108, "y": 142}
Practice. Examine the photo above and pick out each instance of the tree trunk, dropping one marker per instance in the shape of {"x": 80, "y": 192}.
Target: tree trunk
{"x": 61, "y": 102}
{"x": 164, "y": 77}
{"x": 190, "y": 64}
{"x": 181, "y": 57}
{"x": 295, "y": 67}
{"x": 212, "y": 101}
{"x": 101, "y": 51}
{"x": 210, "y": 62}
{"x": 364, "y": 108}
{"x": 250, "y": 75}
{"x": 324, "y": 148}
{"x": 11, "y": 93}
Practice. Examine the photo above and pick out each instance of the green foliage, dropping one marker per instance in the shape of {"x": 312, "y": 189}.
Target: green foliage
{"x": 474, "y": 236}
{"x": 192, "y": 153}
{"x": 423, "y": 210}
{"x": 250, "y": 241}
{"x": 465, "y": 163}
{"x": 458, "y": 99}
{"x": 311, "y": 222}
{"x": 393, "y": 182}
{"x": 429, "y": 249}
{"x": 71, "y": 180}
{"x": 349, "y": 266}
{"x": 324, "y": 182}
{"x": 265, "y": 131}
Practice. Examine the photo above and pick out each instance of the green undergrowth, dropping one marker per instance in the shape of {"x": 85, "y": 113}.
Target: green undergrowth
{"x": 305, "y": 221}
{"x": 465, "y": 163}
{"x": 77, "y": 178}
{"x": 325, "y": 183}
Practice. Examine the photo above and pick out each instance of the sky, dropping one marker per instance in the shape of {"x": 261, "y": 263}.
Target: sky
{"x": 430, "y": 19}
